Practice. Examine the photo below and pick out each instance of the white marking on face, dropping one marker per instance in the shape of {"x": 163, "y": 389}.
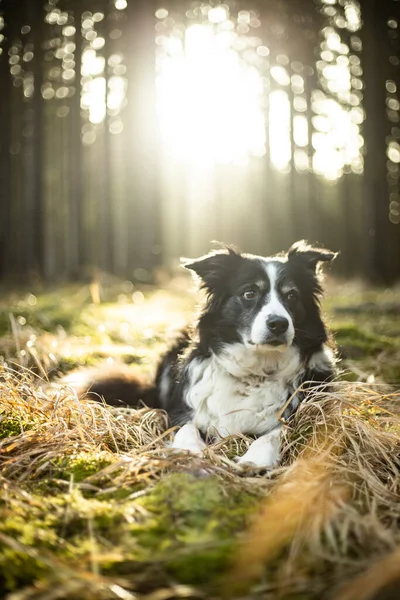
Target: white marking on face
{"x": 273, "y": 307}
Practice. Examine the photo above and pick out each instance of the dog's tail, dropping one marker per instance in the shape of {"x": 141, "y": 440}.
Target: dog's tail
{"x": 124, "y": 386}
{"x": 118, "y": 386}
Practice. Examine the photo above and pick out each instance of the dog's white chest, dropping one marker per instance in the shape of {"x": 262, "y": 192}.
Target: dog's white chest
{"x": 226, "y": 404}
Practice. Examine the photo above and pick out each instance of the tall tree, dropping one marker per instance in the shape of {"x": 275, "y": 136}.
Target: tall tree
{"x": 381, "y": 236}
{"x": 35, "y": 207}
{"x": 142, "y": 155}
{"x": 5, "y": 138}
{"x": 77, "y": 244}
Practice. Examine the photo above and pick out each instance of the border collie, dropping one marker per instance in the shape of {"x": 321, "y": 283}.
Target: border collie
{"x": 257, "y": 349}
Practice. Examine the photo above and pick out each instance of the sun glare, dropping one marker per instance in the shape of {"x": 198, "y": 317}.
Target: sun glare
{"x": 279, "y": 129}
{"x": 209, "y": 97}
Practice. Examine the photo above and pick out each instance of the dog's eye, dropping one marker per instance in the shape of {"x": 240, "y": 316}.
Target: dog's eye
{"x": 250, "y": 295}
{"x": 291, "y": 296}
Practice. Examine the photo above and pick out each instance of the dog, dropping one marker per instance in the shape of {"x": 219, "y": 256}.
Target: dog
{"x": 258, "y": 349}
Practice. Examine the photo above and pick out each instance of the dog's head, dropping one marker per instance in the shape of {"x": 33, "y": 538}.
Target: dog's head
{"x": 266, "y": 304}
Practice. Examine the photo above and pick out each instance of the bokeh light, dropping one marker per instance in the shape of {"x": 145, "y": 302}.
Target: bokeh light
{"x": 337, "y": 140}
{"x": 103, "y": 83}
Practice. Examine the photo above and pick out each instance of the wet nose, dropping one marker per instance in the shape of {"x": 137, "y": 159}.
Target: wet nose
{"x": 277, "y": 325}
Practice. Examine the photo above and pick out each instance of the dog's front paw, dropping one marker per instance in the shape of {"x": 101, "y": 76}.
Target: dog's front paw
{"x": 264, "y": 453}
{"x": 269, "y": 461}
{"x": 188, "y": 438}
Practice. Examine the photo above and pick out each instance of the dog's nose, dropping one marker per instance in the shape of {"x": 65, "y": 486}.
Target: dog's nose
{"x": 277, "y": 325}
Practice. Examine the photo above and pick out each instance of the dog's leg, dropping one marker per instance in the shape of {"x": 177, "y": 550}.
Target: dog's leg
{"x": 188, "y": 438}
{"x": 264, "y": 452}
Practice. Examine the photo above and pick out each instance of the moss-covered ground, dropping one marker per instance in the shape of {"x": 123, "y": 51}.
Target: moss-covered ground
{"x": 94, "y": 504}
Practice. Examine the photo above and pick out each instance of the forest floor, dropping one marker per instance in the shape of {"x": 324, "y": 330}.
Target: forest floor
{"x": 95, "y": 505}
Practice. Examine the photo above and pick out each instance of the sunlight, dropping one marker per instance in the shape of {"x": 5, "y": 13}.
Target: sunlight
{"x": 279, "y": 130}
{"x": 209, "y": 99}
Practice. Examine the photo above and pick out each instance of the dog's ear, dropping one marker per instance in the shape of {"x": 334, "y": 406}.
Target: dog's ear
{"x": 213, "y": 268}
{"x": 308, "y": 256}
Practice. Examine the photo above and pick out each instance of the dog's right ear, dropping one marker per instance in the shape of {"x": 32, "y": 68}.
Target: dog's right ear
{"x": 308, "y": 256}
{"x": 213, "y": 268}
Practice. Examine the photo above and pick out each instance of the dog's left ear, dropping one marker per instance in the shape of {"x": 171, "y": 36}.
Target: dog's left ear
{"x": 308, "y": 256}
{"x": 214, "y": 267}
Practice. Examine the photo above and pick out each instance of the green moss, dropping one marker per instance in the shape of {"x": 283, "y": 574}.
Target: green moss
{"x": 82, "y": 465}
{"x": 192, "y": 525}
{"x": 348, "y": 375}
{"x": 44, "y": 310}
{"x": 391, "y": 371}
{"x": 70, "y": 363}
{"x": 356, "y": 342}
{"x": 74, "y": 469}
{"x": 19, "y": 568}
{"x": 202, "y": 565}
{"x": 30, "y": 528}
{"x": 37, "y": 530}
{"x": 121, "y": 493}
{"x": 11, "y": 425}
{"x": 105, "y": 517}
{"x": 374, "y": 352}
{"x": 63, "y": 527}
{"x": 46, "y": 319}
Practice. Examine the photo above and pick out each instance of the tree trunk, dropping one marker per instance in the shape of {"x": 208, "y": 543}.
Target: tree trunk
{"x": 5, "y": 142}
{"x": 35, "y": 205}
{"x": 77, "y": 244}
{"x": 143, "y": 196}
{"x": 379, "y": 234}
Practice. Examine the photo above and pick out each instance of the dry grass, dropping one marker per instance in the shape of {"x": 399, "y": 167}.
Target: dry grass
{"x": 95, "y": 505}
{"x": 336, "y": 502}
{"x": 326, "y": 523}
